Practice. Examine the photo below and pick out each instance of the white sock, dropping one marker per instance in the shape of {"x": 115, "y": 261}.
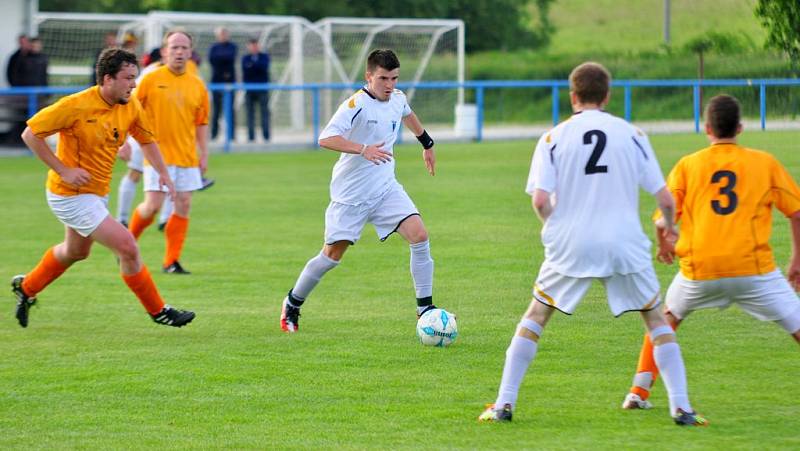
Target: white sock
{"x": 670, "y": 363}
{"x": 519, "y": 355}
{"x": 422, "y": 268}
{"x": 166, "y": 211}
{"x": 125, "y": 195}
{"x": 312, "y": 274}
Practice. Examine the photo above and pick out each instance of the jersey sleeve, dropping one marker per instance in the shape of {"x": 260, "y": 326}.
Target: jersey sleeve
{"x": 141, "y": 128}
{"x": 342, "y": 120}
{"x": 651, "y": 179}
{"x": 406, "y": 107}
{"x": 52, "y": 119}
{"x": 542, "y": 174}
{"x": 785, "y": 191}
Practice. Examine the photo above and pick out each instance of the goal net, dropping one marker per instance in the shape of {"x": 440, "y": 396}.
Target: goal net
{"x": 330, "y": 51}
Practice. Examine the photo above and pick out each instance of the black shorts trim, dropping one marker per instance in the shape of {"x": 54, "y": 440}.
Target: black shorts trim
{"x": 657, "y": 305}
{"x": 398, "y": 225}
{"x": 551, "y": 306}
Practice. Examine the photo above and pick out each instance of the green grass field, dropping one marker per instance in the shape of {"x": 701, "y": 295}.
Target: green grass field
{"x": 631, "y": 26}
{"x": 92, "y": 371}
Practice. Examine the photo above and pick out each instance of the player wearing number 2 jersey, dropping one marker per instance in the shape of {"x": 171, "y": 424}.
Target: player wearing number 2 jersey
{"x": 585, "y": 180}
{"x": 724, "y": 197}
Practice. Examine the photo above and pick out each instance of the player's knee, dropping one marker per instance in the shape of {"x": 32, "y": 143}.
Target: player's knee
{"x": 419, "y": 236}
{"x": 336, "y": 250}
{"x": 529, "y": 329}
{"x": 134, "y": 176}
{"x": 662, "y": 334}
{"x": 127, "y": 249}
{"x": 76, "y": 255}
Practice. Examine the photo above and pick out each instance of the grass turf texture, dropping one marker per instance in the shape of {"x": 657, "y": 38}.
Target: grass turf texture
{"x": 93, "y": 371}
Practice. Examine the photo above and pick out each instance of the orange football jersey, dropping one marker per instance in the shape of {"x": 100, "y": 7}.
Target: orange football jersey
{"x": 90, "y": 133}
{"x": 176, "y": 105}
{"x": 724, "y": 197}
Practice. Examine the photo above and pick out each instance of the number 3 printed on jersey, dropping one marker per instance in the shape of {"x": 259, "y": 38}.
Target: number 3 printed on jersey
{"x": 725, "y": 190}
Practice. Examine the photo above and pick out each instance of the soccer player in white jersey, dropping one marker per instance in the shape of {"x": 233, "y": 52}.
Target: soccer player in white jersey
{"x": 363, "y": 185}
{"x": 584, "y": 182}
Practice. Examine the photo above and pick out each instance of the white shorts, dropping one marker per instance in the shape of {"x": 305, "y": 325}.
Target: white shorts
{"x": 137, "y": 156}
{"x": 82, "y": 213}
{"x": 625, "y": 292}
{"x": 345, "y": 222}
{"x": 185, "y": 179}
{"x": 767, "y": 297}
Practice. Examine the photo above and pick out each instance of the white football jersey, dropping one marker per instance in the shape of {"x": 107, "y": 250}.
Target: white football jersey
{"x": 593, "y": 164}
{"x": 366, "y": 120}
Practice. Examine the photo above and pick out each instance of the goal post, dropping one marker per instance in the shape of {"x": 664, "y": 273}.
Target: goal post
{"x": 329, "y": 51}
{"x": 428, "y": 49}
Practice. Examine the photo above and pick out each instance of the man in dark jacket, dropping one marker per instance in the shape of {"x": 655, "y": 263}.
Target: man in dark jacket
{"x": 255, "y": 69}
{"x": 222, "y": 56}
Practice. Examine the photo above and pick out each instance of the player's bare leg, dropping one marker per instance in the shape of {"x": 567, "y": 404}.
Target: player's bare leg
{"x": 519, "y": 355}
{"x": 52, "y": 265}
{"x": 114, "y": 236}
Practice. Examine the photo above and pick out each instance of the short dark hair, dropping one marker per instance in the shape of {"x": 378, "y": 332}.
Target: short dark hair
{"x": 590, "y": 82}
{"x": 384, "y": 58}
{"x": 110, "y": 62}
{"x": 723, "y": 114}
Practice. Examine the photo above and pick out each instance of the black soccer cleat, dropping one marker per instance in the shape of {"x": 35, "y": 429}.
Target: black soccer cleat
{"x": 207, "y": 183}
{"x": 169, "y": 316}
{"x": 689, "y": 419}
{"x": 162, "y": 226}
{"x": 290, "y": 317}
{"x": 427, "y": 309}
{"x": 175, "y": 268}
{"x": 496, "y": 415}
{"x": 24, "y": 302}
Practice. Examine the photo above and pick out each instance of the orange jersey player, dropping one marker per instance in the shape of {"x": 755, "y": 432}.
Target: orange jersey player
{"x": 724, "y": 197}
{"x": 177, "y": 103}
{"x": 91, "y": 126}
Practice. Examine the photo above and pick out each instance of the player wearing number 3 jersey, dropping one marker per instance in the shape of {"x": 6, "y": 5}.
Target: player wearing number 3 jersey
{"x": 724, "y": 197}
{"x": 585, "y": 180}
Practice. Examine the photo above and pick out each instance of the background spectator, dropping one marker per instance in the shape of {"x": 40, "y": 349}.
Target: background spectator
{"x": 255, "y": 69}
{"x": 14, "y": 69}
{"x": 222, "y": 56}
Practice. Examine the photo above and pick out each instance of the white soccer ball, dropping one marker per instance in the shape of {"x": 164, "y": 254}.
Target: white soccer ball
{"x": 437, "y": 327}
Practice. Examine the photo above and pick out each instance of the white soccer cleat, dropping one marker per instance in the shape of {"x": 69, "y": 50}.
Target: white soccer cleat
{"x": 633, "y": 401}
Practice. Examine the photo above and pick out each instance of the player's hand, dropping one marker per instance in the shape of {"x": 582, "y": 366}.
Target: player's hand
{"x": 164, "y": 180}
{"x": 75, "y": 176}
{"x": 793, "y": 273}
{"x": 430, "y": 160}
{"x": 666, "y": 245}
{"x": 376, "y": 154}
{"x": 124, "y": 152}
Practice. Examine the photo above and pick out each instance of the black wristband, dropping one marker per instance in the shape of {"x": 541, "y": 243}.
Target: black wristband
{"x": 425, "y": 139}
